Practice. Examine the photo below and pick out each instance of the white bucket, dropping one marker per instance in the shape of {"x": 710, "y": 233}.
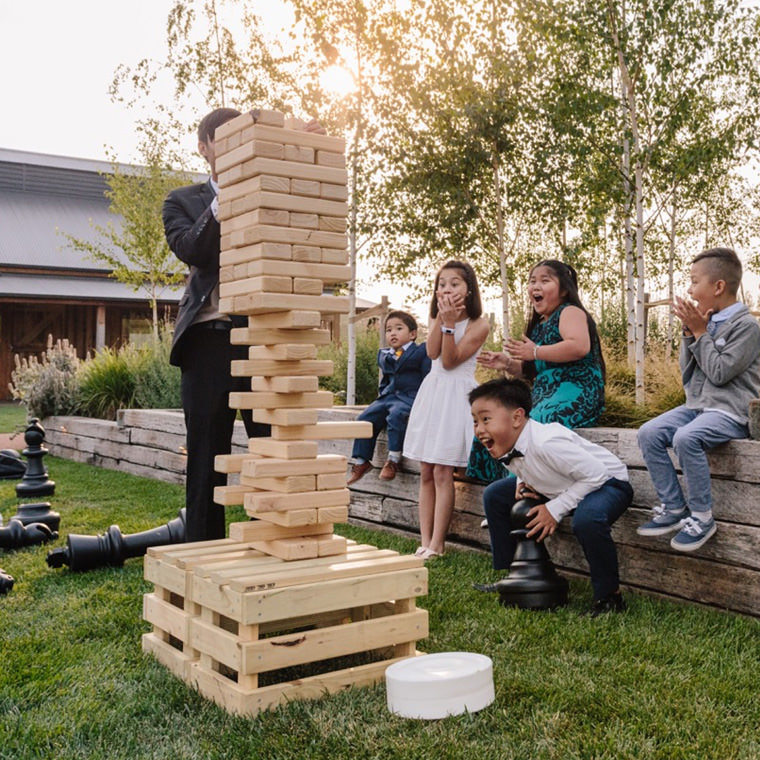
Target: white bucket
{"x": 434, "y": 686}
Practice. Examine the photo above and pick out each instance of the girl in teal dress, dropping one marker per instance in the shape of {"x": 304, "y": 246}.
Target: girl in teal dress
{"x": 560, "y": 354}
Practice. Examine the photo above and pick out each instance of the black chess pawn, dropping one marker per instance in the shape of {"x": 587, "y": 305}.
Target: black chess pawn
{"x": 6, "y": 582}
{"x": 35, "y": 481}
{"x": 532, "y": 583}
{"x": 16, "y": 535}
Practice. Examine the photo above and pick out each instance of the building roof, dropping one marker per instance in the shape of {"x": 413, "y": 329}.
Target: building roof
{"x": 56, "y": 288}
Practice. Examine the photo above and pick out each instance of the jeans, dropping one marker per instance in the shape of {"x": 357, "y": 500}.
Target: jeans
{"x": 691, "y": 434}
{"x": 591, "y": 523}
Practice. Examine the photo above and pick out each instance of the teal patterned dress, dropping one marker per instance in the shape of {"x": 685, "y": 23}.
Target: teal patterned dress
{"x": 571, "y": 393}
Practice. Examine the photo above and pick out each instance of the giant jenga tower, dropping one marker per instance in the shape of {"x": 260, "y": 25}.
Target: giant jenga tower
{"x": 283, "y": 590}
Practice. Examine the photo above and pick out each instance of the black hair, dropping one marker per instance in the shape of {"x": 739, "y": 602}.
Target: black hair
{"x": 723, "y": 264}
{"x": 404, "y": 316}
{"x": 212, "y": 120}
{"x": 510, "y": 392}
{"x": 472, "y": 303}
{"x": 568, "y": 284}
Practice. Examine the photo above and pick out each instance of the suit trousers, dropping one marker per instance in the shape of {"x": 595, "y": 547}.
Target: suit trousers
{"x": 206, "y": 385}
{"x": 389, "y": 412}
{"x": 591, "y": 523}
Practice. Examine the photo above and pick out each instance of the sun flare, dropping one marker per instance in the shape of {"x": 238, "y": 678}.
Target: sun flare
{"x": 338, "y": 80}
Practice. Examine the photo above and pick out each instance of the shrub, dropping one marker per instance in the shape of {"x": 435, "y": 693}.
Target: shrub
{"x": 106, "y": 384}
{"x": 157, "y": 383}
{"x": 366, "y": 375}
{"x": 48, "y": 386}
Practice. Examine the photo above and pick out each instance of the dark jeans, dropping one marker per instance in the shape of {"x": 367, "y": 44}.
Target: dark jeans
{"x": 206, "y": 385}
{"x": 387, "y": 411}
{"x": 591, "y": 523}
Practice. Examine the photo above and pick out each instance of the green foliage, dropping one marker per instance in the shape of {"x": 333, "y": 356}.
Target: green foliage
{"x": 13, "y": 417}
{"x": 49, "y": 385}
{"x": 367, "y": 377}
{"x": 75, "y": 684}
{"x": 157, "y": 383}
{"x": 106, "y": 385}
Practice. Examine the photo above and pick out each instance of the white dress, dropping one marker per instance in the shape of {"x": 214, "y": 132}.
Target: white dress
{"x": 440, "y": 427}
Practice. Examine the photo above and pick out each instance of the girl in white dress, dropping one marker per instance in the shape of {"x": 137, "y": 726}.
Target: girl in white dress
{"x": 439, "y": 432}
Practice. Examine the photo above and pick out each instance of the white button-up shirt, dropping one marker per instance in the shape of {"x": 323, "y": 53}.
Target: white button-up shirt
{"x": 563, "y": 466}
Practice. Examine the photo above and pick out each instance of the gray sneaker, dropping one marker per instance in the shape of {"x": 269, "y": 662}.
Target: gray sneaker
{"x": 663, "y": 521}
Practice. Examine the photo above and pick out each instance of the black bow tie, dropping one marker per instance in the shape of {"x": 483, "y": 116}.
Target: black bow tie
{"x": 507, "y": 458}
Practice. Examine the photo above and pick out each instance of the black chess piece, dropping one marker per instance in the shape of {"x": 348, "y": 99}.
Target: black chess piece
{"x": 112, "y": 547}
{"x": 12, "y": 466}
{"x": 16, "y": 534}
{"x": 532, "y": 583}
{"x": 35, "y": 481}
{"x": 6, "y": 582}
{"x": 39, "y": 512}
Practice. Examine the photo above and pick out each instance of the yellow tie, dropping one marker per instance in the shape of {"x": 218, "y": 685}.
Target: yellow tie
{"x": 399, "y": 351}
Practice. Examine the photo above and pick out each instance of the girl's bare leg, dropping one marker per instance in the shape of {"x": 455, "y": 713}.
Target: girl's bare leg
{"x": 443, "y": 477}
{"x": 426, "y": 503}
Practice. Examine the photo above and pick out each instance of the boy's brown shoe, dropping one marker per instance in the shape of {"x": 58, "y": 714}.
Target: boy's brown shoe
{"x": 389, "y": 470}
{"x": 358, "y": 471}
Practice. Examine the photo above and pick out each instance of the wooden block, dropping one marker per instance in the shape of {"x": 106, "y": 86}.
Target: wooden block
{"x": 270, "y": 467}
{"x": 284, "y": 401}
{"x": 266, "y": 284}
{"x": 324, "y": 272}
{"x": 290, "y": 549}
{"x": 270, "y": 117}
{"x": 253, "y": 214}
{"x": 293, "y": 122}
{"x": 291, "y": 235}
{"x": 300, "y": 137}
{"x": 330, "y": 223}
{"x": 285, "y": 484}
{"x": 331, "y": 192}
{"x": 331, "y": 256}
{"x": 310, "y": 187}
{"x": 268, "y": 182}
{"x": 263, "y": 501}
{"x": 330, "y": 481}
{"x": 257, "y": 149}
{"x": 267, "y": 336}
{"x": 229, "y": 463}
{"x": 260, "y": 530}
{"x": 323, "y": 431}
{"x": 307, "y": 286}
{"x": 234, "y": 125}
{"x": 329, "y": 547}
{"x": 290, "y": 169}
{"x": 169, "y": 618}
{"x": 328, "y": 158}
{"x": 229, "y": 496}
{"x": 295, "y": 319}
{"x": 283, "y": 449}
{"x": 332, "y": 514}
{"x": 176, "y": 661}
{"x": 269, "y": 368}
{"x": 263, "y": 303}
{"x": 286, "y": 384}
{"x": 296, "y": 518}
{"x": 284, "y": 352}
{"x": 304, "y": 221}
{"x": 299, "y": 153}
{"x": 286, "y": 417}
{"x": 279, "y": 251}
{"x": 307, "y": 253}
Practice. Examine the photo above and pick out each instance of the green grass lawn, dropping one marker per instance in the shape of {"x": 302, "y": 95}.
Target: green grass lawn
{"x": 660, "y": 681}
{"x": 13, "y": 417}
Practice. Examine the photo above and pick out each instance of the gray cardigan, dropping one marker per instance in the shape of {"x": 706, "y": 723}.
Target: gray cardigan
{"x": 722, "y": 371}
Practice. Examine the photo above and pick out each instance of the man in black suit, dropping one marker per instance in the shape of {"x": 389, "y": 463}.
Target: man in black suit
{"x": 201, "y": 345}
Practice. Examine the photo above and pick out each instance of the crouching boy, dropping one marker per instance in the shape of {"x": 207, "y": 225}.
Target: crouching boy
{"x": 550, "y": 461}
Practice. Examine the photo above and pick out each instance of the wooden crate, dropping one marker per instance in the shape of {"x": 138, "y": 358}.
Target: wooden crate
{"x": 250, "y": 630}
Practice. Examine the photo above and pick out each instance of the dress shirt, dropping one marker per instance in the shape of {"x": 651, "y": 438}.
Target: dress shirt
{"x": 392, "y": 351}
{"x": 563, "y": 466}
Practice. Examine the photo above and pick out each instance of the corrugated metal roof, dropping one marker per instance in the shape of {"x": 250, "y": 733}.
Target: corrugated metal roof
{"x": 49, "y": 288}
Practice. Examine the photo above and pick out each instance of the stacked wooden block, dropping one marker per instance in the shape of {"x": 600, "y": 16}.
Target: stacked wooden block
{"x": 282, "y": 205}
{"x": 241, "y": 618}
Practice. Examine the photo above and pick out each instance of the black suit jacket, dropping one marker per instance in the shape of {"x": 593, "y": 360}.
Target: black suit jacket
{"x": 193, "y": 235}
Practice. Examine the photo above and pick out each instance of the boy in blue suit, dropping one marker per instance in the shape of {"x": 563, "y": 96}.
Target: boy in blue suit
{"x": 403, "y": 365}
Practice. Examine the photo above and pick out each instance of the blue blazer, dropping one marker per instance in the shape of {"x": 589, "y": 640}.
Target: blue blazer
{"x": 403, "y": 376}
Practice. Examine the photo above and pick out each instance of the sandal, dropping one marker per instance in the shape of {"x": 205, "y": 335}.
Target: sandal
{"x": 430, "y": 554}
{"x": 420, "y": 551}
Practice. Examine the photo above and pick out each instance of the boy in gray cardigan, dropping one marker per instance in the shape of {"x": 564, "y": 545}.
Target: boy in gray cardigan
{"x": 720, "y": 366}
